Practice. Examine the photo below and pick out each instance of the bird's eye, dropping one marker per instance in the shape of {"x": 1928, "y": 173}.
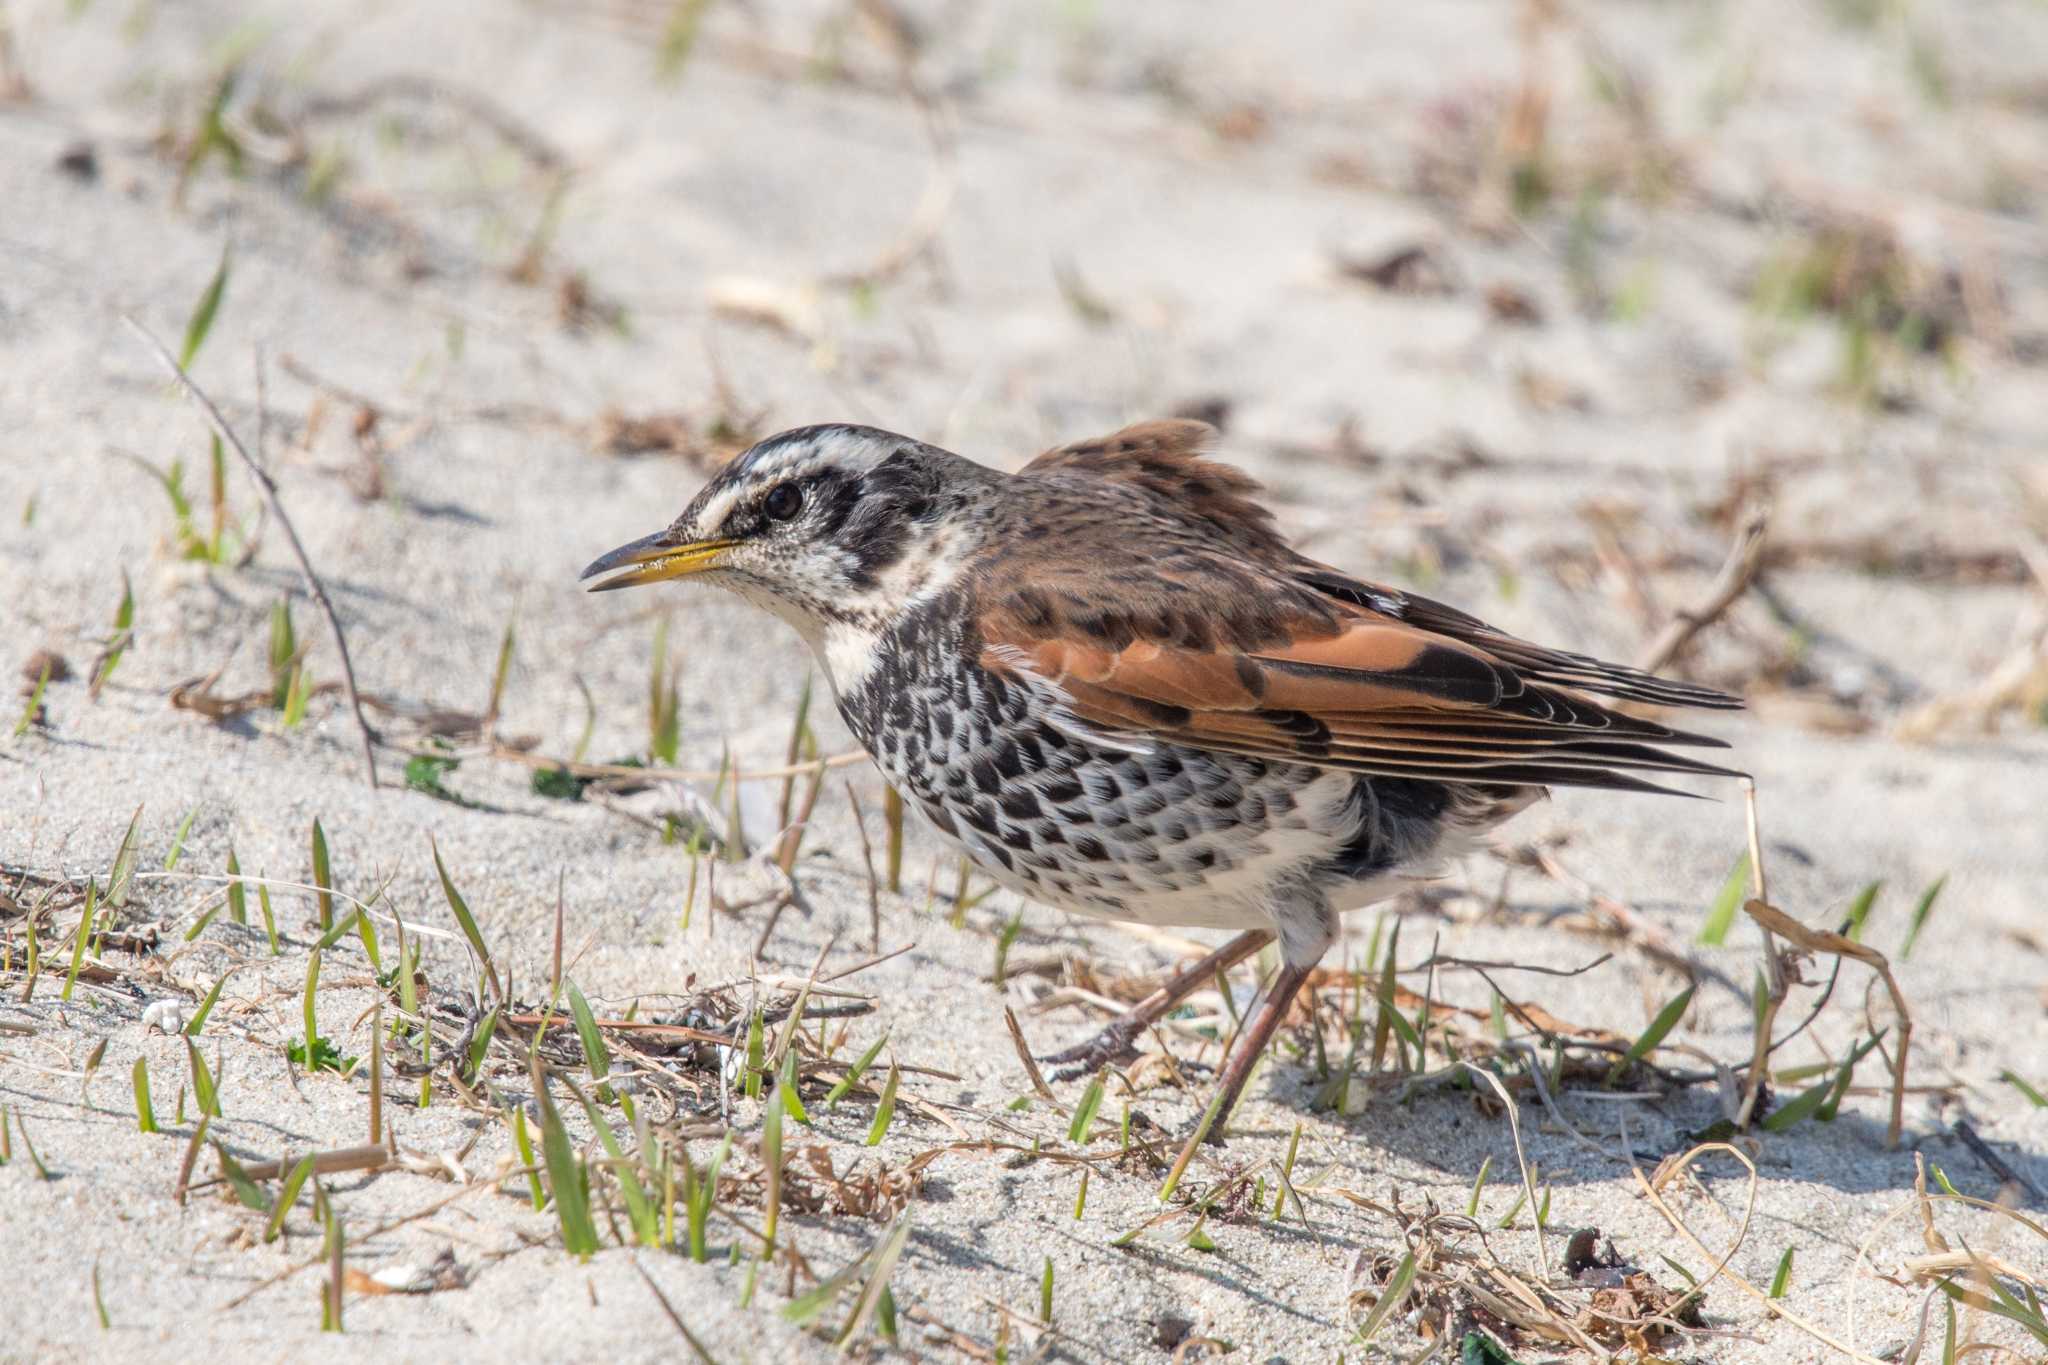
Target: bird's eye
{"x": 784, "y": 501}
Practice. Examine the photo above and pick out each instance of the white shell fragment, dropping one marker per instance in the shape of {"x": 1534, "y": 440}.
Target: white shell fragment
{"x": 404, "y": 1278}
{"x": 164, "y": 1016}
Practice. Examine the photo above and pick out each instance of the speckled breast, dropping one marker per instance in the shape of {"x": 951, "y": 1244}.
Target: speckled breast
{"x": 1170, "y": 834}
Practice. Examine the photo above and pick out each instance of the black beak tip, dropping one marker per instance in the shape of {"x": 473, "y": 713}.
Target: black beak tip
{"x": 622, "y": 557}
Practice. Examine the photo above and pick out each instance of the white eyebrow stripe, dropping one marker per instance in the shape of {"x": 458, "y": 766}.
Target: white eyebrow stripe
{"x": 714, "y": 513}
{"x": 779, "y": 464}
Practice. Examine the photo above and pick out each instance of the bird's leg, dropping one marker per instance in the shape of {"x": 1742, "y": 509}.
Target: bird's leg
{"x": 1114, "y": 1042}
{"x": 1251, "y": 1045}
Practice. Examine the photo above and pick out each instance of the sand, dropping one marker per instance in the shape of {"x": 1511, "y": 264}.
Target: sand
{"x": 1122, "y": 212}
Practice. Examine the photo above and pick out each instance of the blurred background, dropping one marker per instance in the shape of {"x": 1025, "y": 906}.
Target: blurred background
{"x": 1544, "y": 309}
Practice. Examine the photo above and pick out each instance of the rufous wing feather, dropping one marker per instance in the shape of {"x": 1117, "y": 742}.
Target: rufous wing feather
{"x": 1209, "y": 631}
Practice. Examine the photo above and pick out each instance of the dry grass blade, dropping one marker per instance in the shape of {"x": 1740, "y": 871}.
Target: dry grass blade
{"x": 1037, "y": 1077}
{"x": 1670, "y": 1170}
{"x": 1777, "y": 983}
{"x": 1528, "y": 1180}
{"x": 268, "y": 488}
{"x": 1778, "y": 922}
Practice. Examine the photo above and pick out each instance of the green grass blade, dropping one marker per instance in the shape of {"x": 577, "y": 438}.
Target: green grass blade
{"x": 506, "y": 645}
{"x": 366, "y": 930}
{"x": 1721, "y": 915}
{"x": 288, "y": 1196}
{"x": 1390, "y": 1299}
{"x": 524, "y": 1145}
{"x": 805, "y": 1307}
{"x": 246, "y": 1190}
{"x": 124, "y": 621}
{"x": 307, "y": 1009}
{"x": 595, "y": 1055}
{"x": 178, "y": 840}
{"x": 1661, "y": 1026}
{"x": 2034, "y": 1097}
{"x": 1478, "y": 1187}
{"x": 201, "y": 321}
{"x": 197, "y": 1024}
{"x": 79, "y": 937}
{"x": 786, "y": 1082}
{"x": 467, "y": 921}
{"x": 885, "y": 1111}
{"x": 884, "y": 1265}
{"x": 1844, "y": 1074}
{"x": 145, "y": 1112}
{"x": 1782, "y": 1279}
{"x": 566, "y": 1176}
{"x": 1084, "y": 1113}
{"x": 238, "y": 895}
{"x": 1383, "y": 1025}
{"x": 202, "y": 1082}
{"x": 338, "y": 930}
{"x": 640, "y": 1210}
{"x": 2032, "y": 1323}
{"x": 323, "y": 876}
{"x": 751, "y": 1081}
{"x": 1800, "y": 1107}
{"x": 480, "y": 1046}
{"x": 1921, "y": 911}
{"x": 122, "y": 879}
{"x": 284, "y": 652}
{"x": 1859, "y": 911}
{"x": 853, "y": 1075}
{"x": 269, "y": 920}
{"x": 34, "y": 706}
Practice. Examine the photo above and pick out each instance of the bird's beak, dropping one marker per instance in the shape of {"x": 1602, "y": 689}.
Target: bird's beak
{"x": 654, "y": 558}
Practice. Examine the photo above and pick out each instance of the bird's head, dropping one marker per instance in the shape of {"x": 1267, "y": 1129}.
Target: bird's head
{"x": 820, "y": 525}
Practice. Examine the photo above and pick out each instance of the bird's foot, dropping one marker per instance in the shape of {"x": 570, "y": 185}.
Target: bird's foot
{"x": 1113, "y": 1044}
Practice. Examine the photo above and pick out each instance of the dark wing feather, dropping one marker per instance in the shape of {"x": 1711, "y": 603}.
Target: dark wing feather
{"x": 1167, "y": 605}
{"x": 1536, "y": 662}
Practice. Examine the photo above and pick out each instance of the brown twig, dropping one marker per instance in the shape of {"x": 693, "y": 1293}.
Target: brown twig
{"x": 268, "y": 488}
{"x": 675, "y": 1318}
{"x": 1745, "y": 557}
{"x": 369, "y": 1157}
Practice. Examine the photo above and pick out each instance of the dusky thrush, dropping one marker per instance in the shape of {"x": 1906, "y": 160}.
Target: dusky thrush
{"x": 1111, "y": 682}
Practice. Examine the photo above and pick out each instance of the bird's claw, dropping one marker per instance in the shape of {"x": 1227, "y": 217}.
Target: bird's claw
{"x": 1113, "y": 1044}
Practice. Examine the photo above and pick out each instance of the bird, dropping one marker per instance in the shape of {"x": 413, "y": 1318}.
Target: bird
{"x": 1113, "y": 684}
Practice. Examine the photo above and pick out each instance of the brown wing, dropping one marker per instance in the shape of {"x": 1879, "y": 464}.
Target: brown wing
{"x": 1172, "y": 611}
{"x": 1164, "y": 461}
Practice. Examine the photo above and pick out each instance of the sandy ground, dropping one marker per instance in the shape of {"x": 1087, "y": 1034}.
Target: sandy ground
{"x": 1108, "y": 213}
